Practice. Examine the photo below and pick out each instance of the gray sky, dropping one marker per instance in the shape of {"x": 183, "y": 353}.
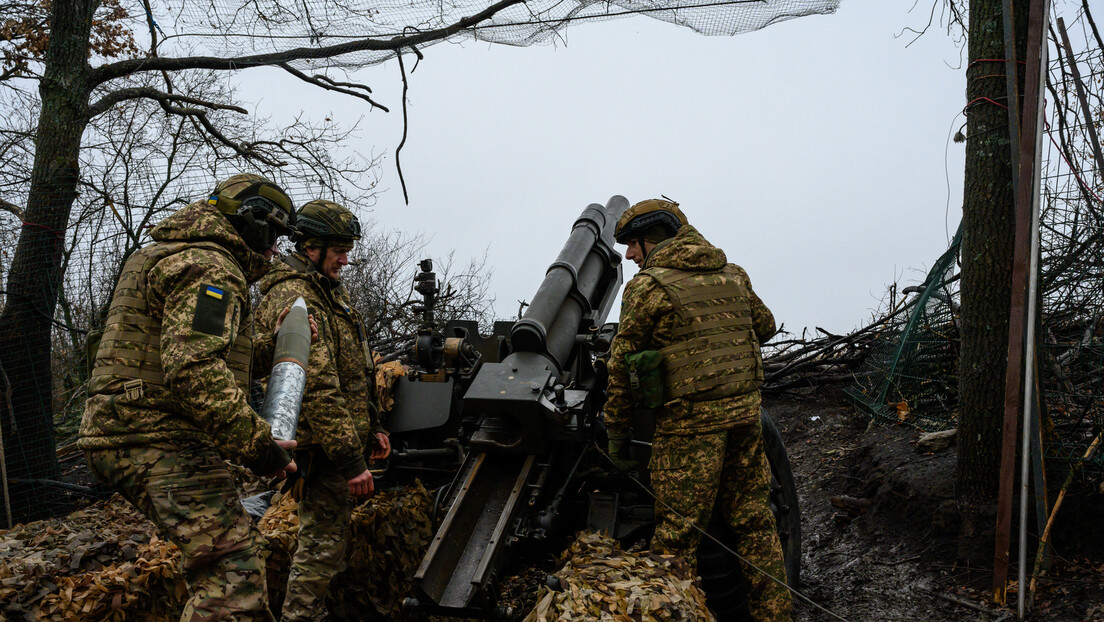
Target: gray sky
{"x": 815, "y": 152}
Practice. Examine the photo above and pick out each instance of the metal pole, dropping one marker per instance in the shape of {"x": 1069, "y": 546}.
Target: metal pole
{"x": 1023, "y": 161}
{"x": 1032, "y": 310}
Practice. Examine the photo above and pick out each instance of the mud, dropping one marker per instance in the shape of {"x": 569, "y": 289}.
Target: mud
{"x": 895, "y": 560}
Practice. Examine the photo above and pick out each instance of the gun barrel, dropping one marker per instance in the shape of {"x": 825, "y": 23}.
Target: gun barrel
{"x": 582, "y": 282}
{"x": 288, "y": 378}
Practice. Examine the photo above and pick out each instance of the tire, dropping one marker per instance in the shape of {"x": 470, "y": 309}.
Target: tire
{"x": 725, "y": 587}
{"x": 787, "y": 513}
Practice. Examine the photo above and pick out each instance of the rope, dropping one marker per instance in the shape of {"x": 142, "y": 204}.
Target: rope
{"x": 651, "y": 494}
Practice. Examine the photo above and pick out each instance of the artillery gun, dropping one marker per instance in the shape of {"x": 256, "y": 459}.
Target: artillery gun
{"x": 508, "y": 429}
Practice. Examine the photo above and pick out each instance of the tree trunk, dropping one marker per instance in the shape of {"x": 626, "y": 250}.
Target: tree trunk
{"x": 988, "y": 215}
{"x": 36, "y": 275}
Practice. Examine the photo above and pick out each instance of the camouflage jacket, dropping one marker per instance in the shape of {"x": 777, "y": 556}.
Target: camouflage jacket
{"x": 356, "y": 365}
{"x": 337, "y": 404}
{"x": 647, "y": 322}
{"x": 197, "y": 298}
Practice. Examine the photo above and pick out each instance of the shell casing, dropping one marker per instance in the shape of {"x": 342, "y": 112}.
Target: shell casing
{"x": 283, "y": 399}
{"x": 288, "y": 379}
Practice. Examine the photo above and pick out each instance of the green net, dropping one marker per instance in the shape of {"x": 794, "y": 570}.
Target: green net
{"x": 909, "y": 375}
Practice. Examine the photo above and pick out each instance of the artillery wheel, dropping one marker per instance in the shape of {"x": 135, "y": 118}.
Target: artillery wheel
{"x": 787, "y": 513}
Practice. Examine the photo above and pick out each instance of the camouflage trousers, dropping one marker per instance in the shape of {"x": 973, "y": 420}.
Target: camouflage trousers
{"x": 188, "y": 492}
{"x": 690, "y": 474}
{"x": 325, "y": 510}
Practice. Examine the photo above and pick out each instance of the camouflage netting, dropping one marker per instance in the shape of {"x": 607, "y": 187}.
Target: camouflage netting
{"x": 106, "y": 563}
{"x": 601, "y": 582}
{"x": 220, "y": 27}
{"x": 390, "y": 534}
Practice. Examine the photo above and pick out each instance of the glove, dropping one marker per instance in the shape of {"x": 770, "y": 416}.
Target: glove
{"x": 618, "y": 449}
{"x": 294, "y": 486}
{"x": 296, "y": 482}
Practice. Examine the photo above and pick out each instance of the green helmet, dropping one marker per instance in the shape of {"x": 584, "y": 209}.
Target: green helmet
{"x": 645, "y": 216}
{"x": 327, "y": 221}
{"x": 258, "y": 209}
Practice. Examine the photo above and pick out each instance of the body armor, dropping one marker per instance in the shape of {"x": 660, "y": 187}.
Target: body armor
{"x": 715, "y": 353}
{"x": 129, "y": 355}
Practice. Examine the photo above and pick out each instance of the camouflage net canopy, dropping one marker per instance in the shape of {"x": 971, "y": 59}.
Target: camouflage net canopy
{"x": 910, "y": 375}
{"x": 269, "y": 26}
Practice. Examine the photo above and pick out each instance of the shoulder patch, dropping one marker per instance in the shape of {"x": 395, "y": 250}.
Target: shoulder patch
{"x": 210, "y": 311}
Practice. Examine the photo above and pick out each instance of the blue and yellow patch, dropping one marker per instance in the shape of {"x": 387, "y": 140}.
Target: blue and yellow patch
{"x": 213, "y": 292}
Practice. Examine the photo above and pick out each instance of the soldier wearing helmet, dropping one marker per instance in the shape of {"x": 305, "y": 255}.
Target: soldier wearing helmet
{"x": 696, "y": 313}
{"x": 168, "y": 396}
{"x": 339, "y": 420}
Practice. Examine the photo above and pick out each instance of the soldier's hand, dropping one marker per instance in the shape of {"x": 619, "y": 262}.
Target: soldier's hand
{"x": 314, "y": 328}
{"x": 384, "y": 448}
{"x": 289, "y": 467}
{"x": 619, "y": 453}
{"x": 310, "y": 318}
{"x": 362, "y": 485}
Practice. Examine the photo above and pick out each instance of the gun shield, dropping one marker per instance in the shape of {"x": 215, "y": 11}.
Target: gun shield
{"x": 288, "y": 378}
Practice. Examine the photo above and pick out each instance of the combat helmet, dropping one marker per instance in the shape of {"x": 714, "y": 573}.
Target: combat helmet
{"x": 327, "y": 222}
{"x": 641, "y": 220}
{"x": 258, "y": 209}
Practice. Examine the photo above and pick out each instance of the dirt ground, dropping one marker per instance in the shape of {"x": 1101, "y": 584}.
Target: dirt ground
{"x": 896, "y": 559}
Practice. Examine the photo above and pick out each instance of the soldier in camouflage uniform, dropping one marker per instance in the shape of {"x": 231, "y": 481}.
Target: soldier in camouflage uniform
{"x": 700, "y": 313}
{"x": 168, "y": 394}
{"x": 339, "y": 416}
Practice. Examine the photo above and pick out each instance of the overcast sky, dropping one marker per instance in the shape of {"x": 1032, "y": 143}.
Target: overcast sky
{"x": 815, "y": 152}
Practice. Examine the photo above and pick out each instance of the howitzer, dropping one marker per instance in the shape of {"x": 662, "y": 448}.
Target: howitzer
{"x": 510, "y": 426}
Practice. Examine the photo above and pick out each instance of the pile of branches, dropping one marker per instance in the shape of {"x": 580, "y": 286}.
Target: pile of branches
{"x": 824, "y": 358}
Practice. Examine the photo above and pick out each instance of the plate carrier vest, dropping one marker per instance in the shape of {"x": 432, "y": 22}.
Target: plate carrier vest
{"x": 715, "y": 352}
{"x": 129, "y": 355}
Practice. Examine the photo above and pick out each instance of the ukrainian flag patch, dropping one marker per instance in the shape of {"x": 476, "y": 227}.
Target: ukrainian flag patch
{"x": 211, "y": 310}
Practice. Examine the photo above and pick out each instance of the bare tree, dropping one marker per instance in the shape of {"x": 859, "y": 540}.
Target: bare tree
{"x": 87, "y": 69}
{"x": 380, "y": 281}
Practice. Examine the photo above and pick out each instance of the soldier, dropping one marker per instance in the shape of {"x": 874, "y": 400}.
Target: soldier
{"x": 339, "y": 416}
{"x": 168, "y": 397}
{"x": 692, "y": 320}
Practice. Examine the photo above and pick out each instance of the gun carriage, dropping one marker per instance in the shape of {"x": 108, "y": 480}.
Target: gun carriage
{"x": 508, "y": 429}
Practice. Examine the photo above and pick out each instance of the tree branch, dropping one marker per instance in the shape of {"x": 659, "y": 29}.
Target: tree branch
{"x": 12, "y": 207}
{"x": 241, "y": 149}
{"x": 147, "y": 92}
{"x": 119, "y": 69}
{"x": 398, "y": 166}
{"x": 330, "y": 85}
